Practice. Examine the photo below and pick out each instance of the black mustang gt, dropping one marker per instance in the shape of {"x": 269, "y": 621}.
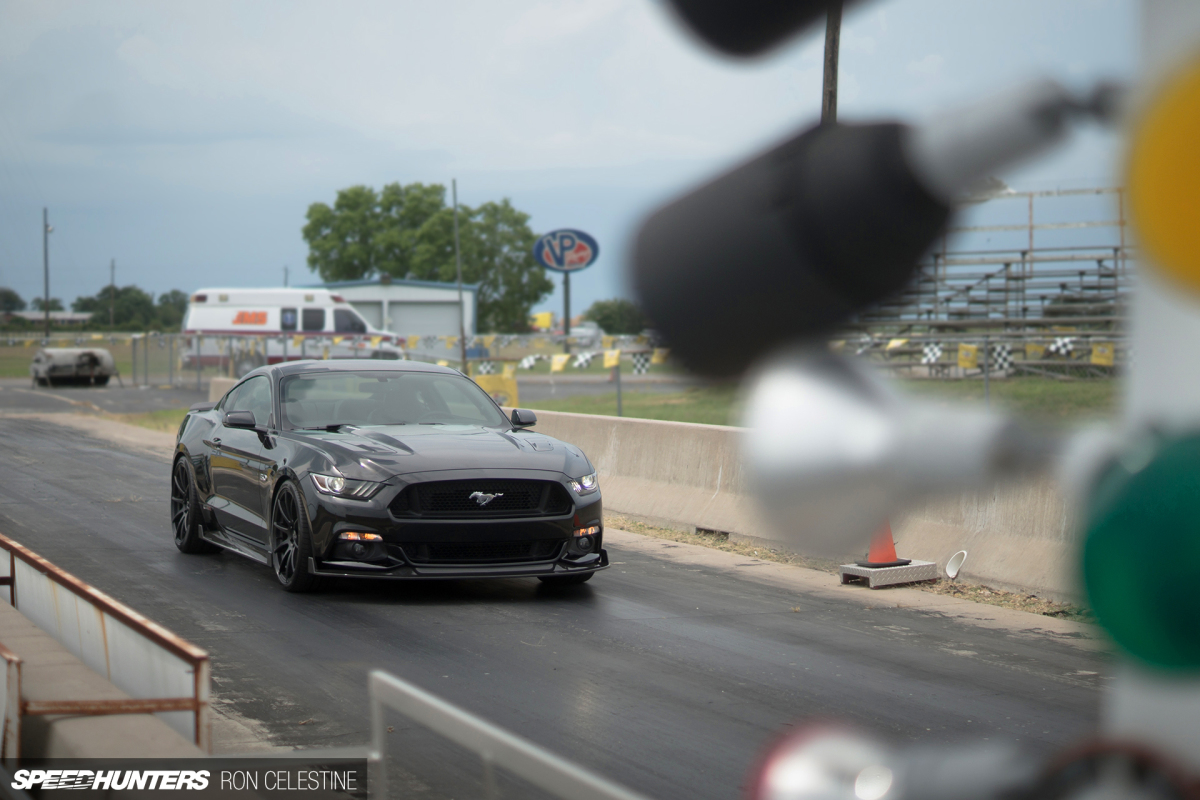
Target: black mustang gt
{"x": 384, "y": 470}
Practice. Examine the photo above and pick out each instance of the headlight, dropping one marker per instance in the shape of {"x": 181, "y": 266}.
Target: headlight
{"x": 587, "y": 483}
{"x": 345, "y": 487}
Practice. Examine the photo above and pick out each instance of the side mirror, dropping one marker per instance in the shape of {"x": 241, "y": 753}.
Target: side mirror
{"x": 523, "y": 417}
{"x": 240, "y": 419}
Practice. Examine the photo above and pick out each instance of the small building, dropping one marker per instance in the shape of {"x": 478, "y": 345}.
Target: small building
{"x": 407, "y": 307}
{"x": 60, "y": 319}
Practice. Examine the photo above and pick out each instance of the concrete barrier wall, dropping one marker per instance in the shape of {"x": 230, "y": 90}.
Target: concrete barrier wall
{"x": 217, "y": 388}
{"x": 690, "y": 476}
{"x": 675, "y": 473}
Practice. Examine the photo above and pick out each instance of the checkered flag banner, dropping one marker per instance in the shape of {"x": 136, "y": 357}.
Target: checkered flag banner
{"x": 1062, "y": 346}
{"x": 641, "y": 363}
{"x": 528, "y": 361}
{"x": 583, "y": 360}
{"x": 931, "y": 353}
{"x": 1001, "y": 357}
{"x": 485, "y": 368}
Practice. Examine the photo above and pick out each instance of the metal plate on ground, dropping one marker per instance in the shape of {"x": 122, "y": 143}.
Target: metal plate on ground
{"x": 888, "y": 576}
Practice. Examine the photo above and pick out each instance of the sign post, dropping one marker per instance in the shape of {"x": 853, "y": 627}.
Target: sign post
{"x": 566, "y": 251}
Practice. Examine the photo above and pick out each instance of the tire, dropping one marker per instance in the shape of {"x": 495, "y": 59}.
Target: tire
{"x": 101, "y": 380}
{"x": 185, "y": 511}
{"x": 565, "y": 580}
{"x": 291, "y": 540}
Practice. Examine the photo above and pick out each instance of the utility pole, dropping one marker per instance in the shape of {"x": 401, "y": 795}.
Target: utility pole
{"x": 46, "y": 267}
{"x": 833, "y": 35}
{"x": 285, "y": 276}
{"x": 112, "y": 293}
{"x": 462, "y": 314}
{"x": 567, "y": 312}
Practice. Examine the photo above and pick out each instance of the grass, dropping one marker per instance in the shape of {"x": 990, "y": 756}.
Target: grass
{"x": 166, "y": 420}
{"x": 1043, "y": 398}
{"x": 1039, "y": 398}
{"x": 711, "y": 405}
{"x": 1029, "y": 603}
{"x": 717, "y": 405}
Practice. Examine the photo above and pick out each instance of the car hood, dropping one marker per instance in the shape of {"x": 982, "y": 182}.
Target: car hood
{"x": 380, "y": 452}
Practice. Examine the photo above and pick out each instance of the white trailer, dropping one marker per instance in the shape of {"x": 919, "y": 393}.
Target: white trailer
{"x": 247, "y": 328}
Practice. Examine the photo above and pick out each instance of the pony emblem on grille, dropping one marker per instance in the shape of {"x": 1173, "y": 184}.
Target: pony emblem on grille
{"x": 483, "y": 499}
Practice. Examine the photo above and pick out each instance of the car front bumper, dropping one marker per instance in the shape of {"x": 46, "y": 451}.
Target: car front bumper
{"x": 553, "y": 549}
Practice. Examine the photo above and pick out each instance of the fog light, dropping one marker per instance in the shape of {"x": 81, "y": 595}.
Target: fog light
{"x": 358, "y": 549}
{"x": 584, "y": 542}
{"x": 355, "y": 536}
{"x": 590, "y": 530}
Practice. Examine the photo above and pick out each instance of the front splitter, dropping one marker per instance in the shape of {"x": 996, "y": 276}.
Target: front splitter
{"x": 458, "y": 571}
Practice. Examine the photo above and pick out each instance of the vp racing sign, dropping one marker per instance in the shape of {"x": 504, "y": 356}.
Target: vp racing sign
{"x": 566, "y": 250}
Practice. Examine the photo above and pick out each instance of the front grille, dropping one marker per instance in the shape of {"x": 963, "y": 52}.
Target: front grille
{"x": 481, "y": 552}
{"x": 460, "y": 499}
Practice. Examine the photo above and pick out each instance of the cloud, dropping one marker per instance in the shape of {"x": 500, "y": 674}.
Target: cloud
{"x": 928, "y": 66}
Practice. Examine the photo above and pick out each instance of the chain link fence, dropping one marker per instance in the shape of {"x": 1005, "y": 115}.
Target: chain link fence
{"x": 154, "y": 359}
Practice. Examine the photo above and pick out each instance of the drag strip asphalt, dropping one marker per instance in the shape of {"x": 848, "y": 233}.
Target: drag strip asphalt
{"x": 668, "y": 675}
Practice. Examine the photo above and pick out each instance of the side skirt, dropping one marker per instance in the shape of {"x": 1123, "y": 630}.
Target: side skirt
{"x": 235, "y": 544}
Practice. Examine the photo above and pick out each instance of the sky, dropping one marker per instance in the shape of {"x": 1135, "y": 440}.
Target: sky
{"x": 187, "y": 140}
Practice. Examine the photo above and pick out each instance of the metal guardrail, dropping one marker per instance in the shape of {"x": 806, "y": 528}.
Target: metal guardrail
{"x": 495, "y": 746}
{"x": 162, "y": 672}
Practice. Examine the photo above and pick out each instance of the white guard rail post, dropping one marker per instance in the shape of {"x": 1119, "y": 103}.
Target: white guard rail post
{"x": 163, "y": 673}
{"x": 496, "y": 747}
{"x": 10, "y": 705}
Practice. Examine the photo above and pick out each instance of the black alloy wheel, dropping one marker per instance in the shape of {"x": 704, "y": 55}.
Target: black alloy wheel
{"x": 291, "y": 540}
{"x": 185, "y": 511}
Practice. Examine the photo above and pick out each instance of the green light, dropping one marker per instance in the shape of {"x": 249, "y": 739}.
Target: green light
{"x": 1141, "y": 557}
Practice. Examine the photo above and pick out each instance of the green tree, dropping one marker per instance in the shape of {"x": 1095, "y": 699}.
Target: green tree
{"x": 10, "y": 301}
{"x": 408, "y": 232}
{"x": 617, "y": 316}
{"x": 172, "y": 306}
{"x": 38, "y": 304}
{"x": 134, "y": 309}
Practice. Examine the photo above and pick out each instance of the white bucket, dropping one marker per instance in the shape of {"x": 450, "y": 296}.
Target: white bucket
{"x": 955, "y": 564}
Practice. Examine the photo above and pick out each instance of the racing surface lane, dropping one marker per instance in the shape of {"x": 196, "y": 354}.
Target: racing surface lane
{"x": 666, "y": 677}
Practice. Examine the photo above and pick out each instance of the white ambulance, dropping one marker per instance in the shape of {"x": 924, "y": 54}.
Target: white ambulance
{"x": 251, "y": 327}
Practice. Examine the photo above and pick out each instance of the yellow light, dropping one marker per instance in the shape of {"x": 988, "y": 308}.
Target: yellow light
{"x": 1163, "y": 176}
{"x": 355, "y": 536}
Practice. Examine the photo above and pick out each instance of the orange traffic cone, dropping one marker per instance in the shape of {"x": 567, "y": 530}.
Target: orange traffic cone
{"x": 882, "y": 552}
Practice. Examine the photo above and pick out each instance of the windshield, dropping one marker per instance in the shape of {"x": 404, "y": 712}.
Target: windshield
{"x": 324, "y": 399}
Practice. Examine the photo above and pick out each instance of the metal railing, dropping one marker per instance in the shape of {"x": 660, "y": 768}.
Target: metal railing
{"x": 163, "y": 673}
{"x": 496, "y": 747}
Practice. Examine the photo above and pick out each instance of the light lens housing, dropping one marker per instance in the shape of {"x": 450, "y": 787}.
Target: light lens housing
{"x": 590, "y": 530}
{"x": 1140, "y": 552}
{"x": 356, "y": 536}
{"x": 345, "y": 487}
{"x": 588, "y": 483}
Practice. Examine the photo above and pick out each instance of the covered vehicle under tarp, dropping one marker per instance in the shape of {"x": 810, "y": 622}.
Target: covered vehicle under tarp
{"x": 72, "y": 365}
